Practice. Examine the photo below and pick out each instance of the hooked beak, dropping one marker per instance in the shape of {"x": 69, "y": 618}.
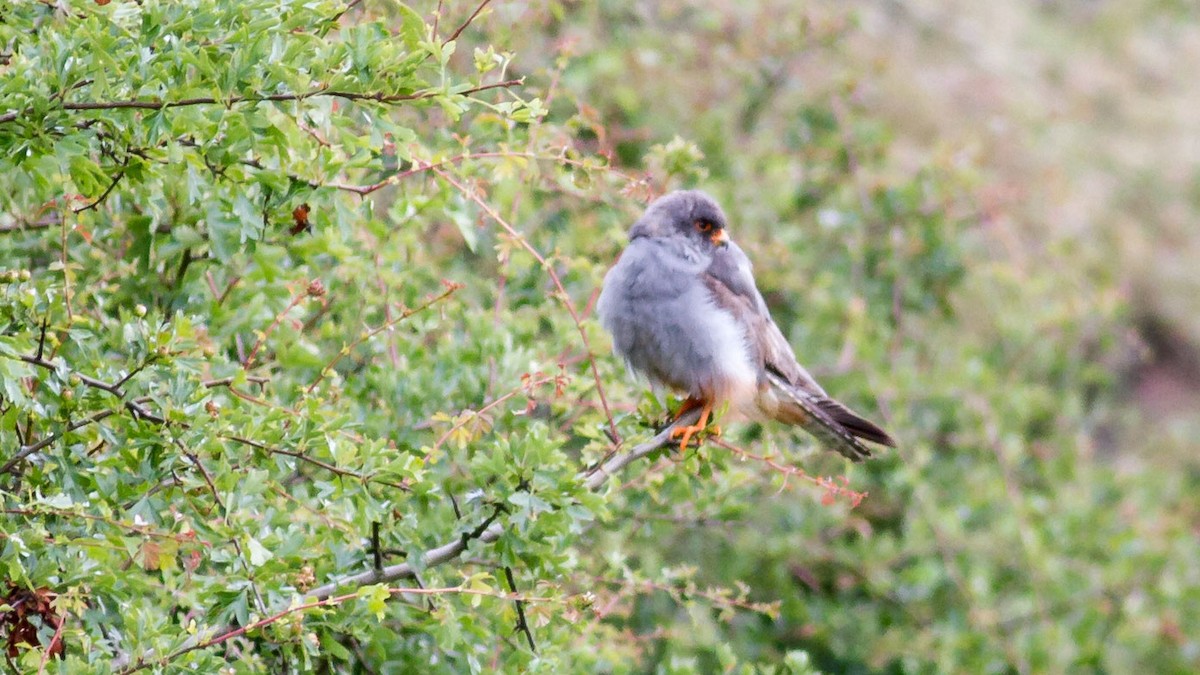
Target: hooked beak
{"x": 720, "y": 237}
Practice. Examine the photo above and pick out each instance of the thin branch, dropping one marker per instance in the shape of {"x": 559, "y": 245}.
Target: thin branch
{"x": 107, "y": 191}
{"x": 130, "y": 375}
{"x": 419, "y": 167}
{"x": 89, "y": 381}
{"x": 352, "y": 4}
{"x": 28, "y": 450}
{"x": 55, "y": 643}
{"x": 315, "y": 462}
{"x": 458, "y": 31}
{"x": 262, "y": 337}
{"x": 42, "y": 336}
{"x": 376, "y": 97}
{"x": 22, "y": 225}
{"x": 237, "y": 546}
{"x": 437, "y": 17}
{"x": 463, "y": 418}
{"x": 376, "y": 550}
{"x": 228, "y": 381}
{"x": 829, "y": 485}
{"x": 42, "y": 510}
{"x": 522, "y": 624}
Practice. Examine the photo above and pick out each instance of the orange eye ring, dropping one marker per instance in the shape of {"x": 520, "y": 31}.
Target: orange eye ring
{"x": 704, "y": 226}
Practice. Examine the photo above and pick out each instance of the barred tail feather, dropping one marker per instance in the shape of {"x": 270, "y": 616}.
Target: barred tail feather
{"x": 833, "y": 424}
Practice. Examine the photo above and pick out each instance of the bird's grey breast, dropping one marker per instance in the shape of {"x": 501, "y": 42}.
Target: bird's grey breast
{"x": 665, "y": 323}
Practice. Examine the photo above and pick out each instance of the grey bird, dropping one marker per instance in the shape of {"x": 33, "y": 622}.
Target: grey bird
{"x": 684, "y": 311}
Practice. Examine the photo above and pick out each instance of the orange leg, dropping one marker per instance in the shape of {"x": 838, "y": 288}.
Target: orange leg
{"x": 688, "y": 432}
{"x": 690, "y": 403}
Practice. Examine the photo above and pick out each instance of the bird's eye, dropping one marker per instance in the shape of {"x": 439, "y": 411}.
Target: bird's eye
{"x": 704, "y": 226}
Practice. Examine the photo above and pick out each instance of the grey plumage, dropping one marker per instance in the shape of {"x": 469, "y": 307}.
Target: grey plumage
{"x": 683, "y": 309}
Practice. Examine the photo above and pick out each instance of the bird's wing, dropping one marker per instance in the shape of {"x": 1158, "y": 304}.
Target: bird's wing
{"x": 730, "y": 279}
{"x": 800, "y": 399}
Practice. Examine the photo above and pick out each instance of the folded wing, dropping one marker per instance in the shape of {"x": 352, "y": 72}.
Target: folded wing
{"x": 795, "y": 396}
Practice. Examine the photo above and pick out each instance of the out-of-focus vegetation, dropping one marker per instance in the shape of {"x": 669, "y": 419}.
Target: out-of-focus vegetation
{"x": 331, "y": 310}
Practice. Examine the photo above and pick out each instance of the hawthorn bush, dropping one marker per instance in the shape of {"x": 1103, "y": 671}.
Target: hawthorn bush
{"x": 300, "y": 374}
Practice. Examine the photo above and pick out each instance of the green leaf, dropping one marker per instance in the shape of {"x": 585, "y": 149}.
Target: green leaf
{"x": 89, "y": 179}
{"x": 258, "y": 554}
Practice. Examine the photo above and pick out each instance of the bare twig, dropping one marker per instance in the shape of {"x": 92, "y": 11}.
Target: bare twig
{"x": 107, "y": 191}
{"x": 437, "y": 17}
{"x": 831, "y": 487}
{"x": 463, "y": 418}
{"x": 458, "y": 31}
{"x": 421, "y": 167}
{"x": 55, "y": 643}
{"x": 262, "y": 338}
{"x": 522, "y": 624}
{"x": 351, "y": 5}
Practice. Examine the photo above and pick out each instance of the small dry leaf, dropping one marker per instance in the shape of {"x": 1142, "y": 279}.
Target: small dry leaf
{"x": 300, "y": 222}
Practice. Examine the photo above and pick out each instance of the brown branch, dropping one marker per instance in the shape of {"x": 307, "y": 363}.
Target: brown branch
{"x": 55, "y": 643}
{"x": 28, "y": 450}
{"x": 831, "y": 487}
{"x": 463, "y": 419}
{"x": 522, "y": 624}
{"x": 296, "y": 300}
{"x": 107, "y": 191}
{"x": 433, "y": 166}
{"x": 686, "y": 591}
{"x": 458, "y": 31}
{"x": 437, "y": 17}
{"x": 315, "y": 462}
{"x": 143, "y": 530}
{"x": 376, "y": 97}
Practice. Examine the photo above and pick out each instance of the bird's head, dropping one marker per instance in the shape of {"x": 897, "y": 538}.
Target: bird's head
{"x": 688, "y": 216}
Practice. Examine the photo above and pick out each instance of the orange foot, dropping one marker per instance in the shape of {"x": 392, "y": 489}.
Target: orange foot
{"x": 687, "y": 432}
